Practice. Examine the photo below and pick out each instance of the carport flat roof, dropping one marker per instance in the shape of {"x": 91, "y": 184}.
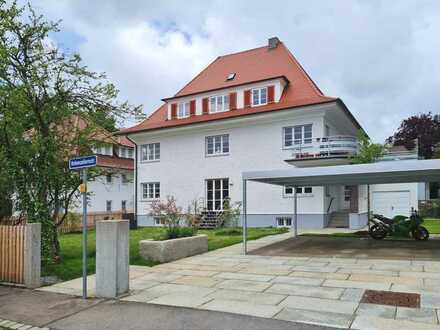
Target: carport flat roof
{"x": 374, "y": 173}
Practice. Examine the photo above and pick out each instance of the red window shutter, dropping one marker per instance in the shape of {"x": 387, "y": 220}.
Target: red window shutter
{"x": 270, "y": 94}
{"x": 192, "y": 108}
{"x": 233, "y": 101}
{"x": 174, "y": 111}
{"x": 247, "y": 98}
{"x": 205, "y": 104}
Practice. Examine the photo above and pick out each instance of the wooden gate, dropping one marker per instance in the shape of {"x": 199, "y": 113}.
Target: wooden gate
{"x": 12, "y": 254}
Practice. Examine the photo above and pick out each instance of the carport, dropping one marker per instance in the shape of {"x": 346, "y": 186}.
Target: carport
{"x": 361, "y": 174}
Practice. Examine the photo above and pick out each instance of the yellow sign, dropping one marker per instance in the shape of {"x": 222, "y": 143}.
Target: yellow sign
{"x": 82, "y": 188}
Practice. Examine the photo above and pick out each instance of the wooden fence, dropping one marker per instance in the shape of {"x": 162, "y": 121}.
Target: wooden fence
{"x": 12, "y": 254}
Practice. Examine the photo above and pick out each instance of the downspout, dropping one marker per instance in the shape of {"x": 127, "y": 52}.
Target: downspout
{"x": 135, "y": 179}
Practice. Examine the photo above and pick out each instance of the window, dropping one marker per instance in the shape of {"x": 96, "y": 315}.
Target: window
{"x": 124, "y": 206}
{"x": 284, "y": 221}
{"x": 108, "y": 178}
{"x": 124, "y": 178}
{"x": 125, "y": 152}
{"x": 151, "y": 190}
{"x": 219, "y": 103}
{"x": 231, "y": 76}
{"x": 150, "y": 152}
{"x": 217, "y": 145}
{"x": 183, "y": 110}
{"x": 347, "y": 193}
{"x": 109, "y": 150}
{"x": 108, "y": 206}
{"x": 259, "y": 96}
{"x": 217, "y": 191}
{"x": 302, "y": 191}
{"x": 297, "y": 135}
{"x": 105, "y": 149}
{"x": 158, "y": 221}
{"x": 130, "y": 152}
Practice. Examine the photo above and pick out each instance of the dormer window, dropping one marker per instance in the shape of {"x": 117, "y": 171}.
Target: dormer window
{"x": 183, "y": 110}
{"x": 218, "y": 103}
{"x": 230, "y": 76}
{"x": 259, "y": 96}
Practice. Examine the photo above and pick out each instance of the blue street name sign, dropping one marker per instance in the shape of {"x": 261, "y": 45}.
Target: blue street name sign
{"x": 82, "y": 162}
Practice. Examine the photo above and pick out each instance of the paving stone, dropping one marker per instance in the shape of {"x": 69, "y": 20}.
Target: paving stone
{"x": 16, "y": 326}
{"x": 424, "y": 315}
{"x": 334, "y": 276}
{"x": 320, "y": 305}
{"x": 25, "y": 327}
{"x": 386, "y": 279}
{"x": 248, "y": 296}
{"x": 241, "y": 307}
{"x": 243, "y": 285}
{"x": 368, "y": 271}
{"x": 402, "y": 263}
{"x": 335, "y": 260}
{"x": 247, "y": 277}
{"x": 299, "y": 262}
{"x": 307, "y": 291}
{"x": 421, "y": 275}
{"x": 192, "y": 272}
{"x": 388, "y": 312}
{"x": 354, "y": 295}
{"x": 298, "y": 280}
{"x": 136, "y": 285}
{"x": 430, "y": 300}
{"x": 186, "y": 300}
{"x": 197, "y": 281}
{"x": 379, "y": 323}
{"x": 266, "y": 261}
{"x": 314, "y": 317}
{"x": 270, "y": 270}
{"x": 317, "y": 269}
{"x": 412, "y": 268}
{"x": 356, "y": 284}
{"x": 413, "y": 289}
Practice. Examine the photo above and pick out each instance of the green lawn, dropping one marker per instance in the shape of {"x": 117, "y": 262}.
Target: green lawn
{"x": 70, "y": 265}
{"x": 433, "y": 225}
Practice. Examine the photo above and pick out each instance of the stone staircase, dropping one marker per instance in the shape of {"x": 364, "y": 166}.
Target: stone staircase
{"x": 210, "y": 219}
{"x": 339, "y": 219}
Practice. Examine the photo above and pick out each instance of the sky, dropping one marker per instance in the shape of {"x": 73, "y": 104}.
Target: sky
{"x": 380, "y": 57}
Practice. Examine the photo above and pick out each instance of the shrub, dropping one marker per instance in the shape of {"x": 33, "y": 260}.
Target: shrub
{"x": 231, "y": 214}
{"x": 229, "y": 232}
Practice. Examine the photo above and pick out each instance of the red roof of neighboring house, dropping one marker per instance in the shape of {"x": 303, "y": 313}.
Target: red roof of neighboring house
{"x": 250, "y": 66}
{"x": 122, "y": 140}
{"x": 115, "y": 162}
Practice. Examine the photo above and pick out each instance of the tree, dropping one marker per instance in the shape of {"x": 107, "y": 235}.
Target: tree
{"x": 424, "y": 128}
{"x": 41, "y": 90}
{"x": 368, "y": 152}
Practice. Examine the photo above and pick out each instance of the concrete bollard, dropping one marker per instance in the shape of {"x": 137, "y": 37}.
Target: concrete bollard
{"x": 32, "y": 255}
{"x": 112, "y": 258}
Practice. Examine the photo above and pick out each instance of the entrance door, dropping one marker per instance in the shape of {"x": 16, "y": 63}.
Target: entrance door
{"x": 217, "y": 191}
{"x": 346, "y": 197}
{"x": 391, "y": 203}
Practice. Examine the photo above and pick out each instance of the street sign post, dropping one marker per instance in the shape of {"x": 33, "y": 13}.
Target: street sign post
{"x": 82, "y": 163}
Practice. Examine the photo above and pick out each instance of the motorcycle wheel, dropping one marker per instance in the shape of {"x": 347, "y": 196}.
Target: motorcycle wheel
{"x": 420, "y": 234}
{"x": 377, "y": 233}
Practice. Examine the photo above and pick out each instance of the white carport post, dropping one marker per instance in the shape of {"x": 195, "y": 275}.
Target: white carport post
{"x": 244, "y": 220}
{"x": 295, "y": 213}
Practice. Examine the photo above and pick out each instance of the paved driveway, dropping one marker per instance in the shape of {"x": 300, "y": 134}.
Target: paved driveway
{"x": 317, "y": 290}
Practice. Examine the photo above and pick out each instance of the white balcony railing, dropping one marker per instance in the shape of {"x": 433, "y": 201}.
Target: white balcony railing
{"x": 326, "y": 147}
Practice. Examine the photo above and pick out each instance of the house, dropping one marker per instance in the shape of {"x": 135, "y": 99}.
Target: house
{"x": 253, "y": 110}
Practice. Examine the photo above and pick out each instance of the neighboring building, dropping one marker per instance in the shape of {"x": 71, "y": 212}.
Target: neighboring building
{"x": 253, "y": 110}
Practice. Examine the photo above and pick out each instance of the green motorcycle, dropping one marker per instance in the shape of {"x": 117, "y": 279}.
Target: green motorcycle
{"x": 399, "y": 226}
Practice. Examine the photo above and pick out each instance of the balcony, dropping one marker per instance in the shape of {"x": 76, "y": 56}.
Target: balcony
{"x": 326, "y": 151}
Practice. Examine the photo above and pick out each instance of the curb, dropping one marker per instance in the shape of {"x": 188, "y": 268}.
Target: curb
{"x": 12, "y": 325}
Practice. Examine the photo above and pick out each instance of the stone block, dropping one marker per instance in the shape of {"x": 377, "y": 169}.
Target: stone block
{"x": 32, "y": 255}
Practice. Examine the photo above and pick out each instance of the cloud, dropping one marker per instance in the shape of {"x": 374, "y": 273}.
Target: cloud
{"x": 380, "y": 57}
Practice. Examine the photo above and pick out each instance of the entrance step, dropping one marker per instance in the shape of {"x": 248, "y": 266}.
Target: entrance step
{"x": 339, "y": 219}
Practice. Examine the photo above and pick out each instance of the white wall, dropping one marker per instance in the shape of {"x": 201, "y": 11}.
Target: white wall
{"x": 101, "y": 191}
{"x": 255, "y": 144}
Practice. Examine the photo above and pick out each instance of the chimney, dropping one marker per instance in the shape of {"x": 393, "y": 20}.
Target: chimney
{"x": 273, "y": 42}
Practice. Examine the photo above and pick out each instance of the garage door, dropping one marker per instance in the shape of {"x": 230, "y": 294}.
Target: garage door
{"x": 391, "y": 203}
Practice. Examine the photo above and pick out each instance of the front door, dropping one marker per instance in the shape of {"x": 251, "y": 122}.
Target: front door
{"x": 217, "y": 191}
{"x": 346, "y": 197}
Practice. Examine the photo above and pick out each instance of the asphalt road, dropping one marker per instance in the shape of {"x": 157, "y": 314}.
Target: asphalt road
{"x": 65, "y": 312}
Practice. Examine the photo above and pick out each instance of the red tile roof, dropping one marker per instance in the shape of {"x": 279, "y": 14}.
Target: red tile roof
{"x": 115, "y": 162}
{"x": 250, "y": 66}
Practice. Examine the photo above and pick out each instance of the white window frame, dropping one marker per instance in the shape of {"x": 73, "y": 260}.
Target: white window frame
{"x": 183, "y": 110}
{"x": 297, "y": 135}
{"x": 130, "y": 153}
{"x": 214, "y": 199}
{"x": 285, "y": 221}
{"x": 220, "y": 145}
{"x": 218, "y": 103}
{"x": 152, "y": 191}
{"x": 305, "y": 191}
{"x": 151, "y": 151}
{"x": 159, "y": 221}
{"x": 257, "y": 101}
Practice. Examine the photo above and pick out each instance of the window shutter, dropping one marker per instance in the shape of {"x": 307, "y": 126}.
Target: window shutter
{"x": 233, "y": 101}
{"x": 270, "y": 94}
{"x": 247, "y": 98}
{"x": 192, "y": 108}
{"x": 205, "y": 104}
{"x": 174, "y": 111}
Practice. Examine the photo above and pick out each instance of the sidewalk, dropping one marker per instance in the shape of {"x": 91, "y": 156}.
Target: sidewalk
{"x": 64, "y": 312}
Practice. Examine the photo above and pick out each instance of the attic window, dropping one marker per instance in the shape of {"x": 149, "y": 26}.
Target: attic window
{"x": 231, "y": 76}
